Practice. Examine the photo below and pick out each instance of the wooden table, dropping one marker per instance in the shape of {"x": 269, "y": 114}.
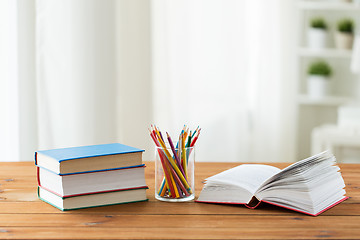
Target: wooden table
{"x": 23, "y": 216}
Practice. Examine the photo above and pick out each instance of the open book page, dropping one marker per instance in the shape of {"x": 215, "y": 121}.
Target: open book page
{"x": 310, "y": 185}
{"x": 296, "y": 168}
{"x": 236, "y": 185}
{"x": 247, "y": 176}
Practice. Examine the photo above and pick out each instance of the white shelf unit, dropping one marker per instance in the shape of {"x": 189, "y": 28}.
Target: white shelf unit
{"x": 324, "y": 53}
{"x": 326, "y": 101}
{"x": 328, "y": 5}
{"x": 312, "y": 113}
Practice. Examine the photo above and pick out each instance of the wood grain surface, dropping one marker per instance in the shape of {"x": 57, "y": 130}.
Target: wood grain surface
{"x": 23, "y": 216}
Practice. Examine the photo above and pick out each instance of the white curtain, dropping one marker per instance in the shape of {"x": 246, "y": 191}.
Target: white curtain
{"x": 76, "y": 77}
{"x": 91, "y": 71}
{"x": 9, "y": 116}
{"x": 219, "y": 64}
{"x": 58, "y": 75}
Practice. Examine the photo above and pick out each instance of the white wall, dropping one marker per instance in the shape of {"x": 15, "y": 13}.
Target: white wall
{"x": 28, "y": 127}
{"x": 288, "y": 83}
{"x": 9, "y": 112}
{"x": 134, "y": 98}
{"x": 76, "y": 75}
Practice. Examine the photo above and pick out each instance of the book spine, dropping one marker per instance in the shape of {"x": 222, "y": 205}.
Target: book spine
{"x": 253, "y": 206}
{"x": 254, "y": 203}
{"x": 38, "y": 176}
{"x": 35, "y": 157}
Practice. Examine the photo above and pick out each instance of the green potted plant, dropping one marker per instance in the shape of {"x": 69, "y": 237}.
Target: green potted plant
{"x": 317, "y": 33}
{"x": 344, "y": 35}
{"x": 318, "y": 81}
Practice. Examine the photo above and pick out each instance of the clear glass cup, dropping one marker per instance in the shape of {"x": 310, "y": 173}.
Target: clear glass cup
{"x": 174, "y": 175}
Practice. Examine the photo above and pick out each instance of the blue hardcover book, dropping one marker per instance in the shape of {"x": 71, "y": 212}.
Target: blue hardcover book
{"x": 74, "y": 160}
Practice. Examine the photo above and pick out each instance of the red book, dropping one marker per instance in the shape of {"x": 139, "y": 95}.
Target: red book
{"x": 310, "y": 186}
{"x": 71, "y": 185}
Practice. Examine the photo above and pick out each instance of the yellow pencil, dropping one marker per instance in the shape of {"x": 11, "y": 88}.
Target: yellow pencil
{"x": 183, "y": 156}
{"x": 173, "y": 164}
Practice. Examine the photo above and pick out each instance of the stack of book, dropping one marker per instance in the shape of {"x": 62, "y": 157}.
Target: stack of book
{"x": 90, "y": 176}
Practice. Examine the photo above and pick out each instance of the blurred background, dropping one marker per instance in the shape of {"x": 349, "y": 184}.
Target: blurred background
{"x": 267, "y": 81}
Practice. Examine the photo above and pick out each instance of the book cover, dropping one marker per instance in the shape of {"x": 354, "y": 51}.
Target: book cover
{"x": 278, "y": 205}
{"x": 65, "y": 154}
{"x": 92, "y": 158}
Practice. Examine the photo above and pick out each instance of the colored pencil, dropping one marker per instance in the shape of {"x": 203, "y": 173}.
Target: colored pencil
{"x": 174, "y": 161}
{"x": 174, "y": 152}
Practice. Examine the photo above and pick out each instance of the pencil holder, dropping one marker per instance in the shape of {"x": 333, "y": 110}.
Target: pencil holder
{"x": 174, "y": 174}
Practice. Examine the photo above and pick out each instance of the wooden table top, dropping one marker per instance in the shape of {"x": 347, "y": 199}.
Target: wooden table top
{"x": 23, "y": 216}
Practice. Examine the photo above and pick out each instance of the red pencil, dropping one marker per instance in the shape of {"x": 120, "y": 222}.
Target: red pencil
{"x": 165, "y": 166}
{"x": 195, "y": 138}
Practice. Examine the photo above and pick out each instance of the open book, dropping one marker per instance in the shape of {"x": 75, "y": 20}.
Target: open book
{"x": 310, "y": 186}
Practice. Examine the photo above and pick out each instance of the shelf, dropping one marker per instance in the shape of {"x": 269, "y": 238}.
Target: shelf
{"x": 325, "y": 53}
{"x": 326, "y": 5}
{"x": 326, "y": 101}
{"x": 312, "y": 112}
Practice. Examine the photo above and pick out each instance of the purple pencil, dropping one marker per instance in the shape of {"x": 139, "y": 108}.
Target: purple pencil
{"x": 175, "y": 155}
